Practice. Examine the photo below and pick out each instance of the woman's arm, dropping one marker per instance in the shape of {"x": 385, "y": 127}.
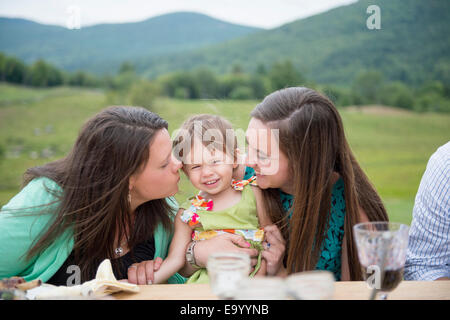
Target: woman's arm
{"x": 274, "y": 243}
{"x": 264, "y": 220}
{"x": 176, "y": 258}
{"x": 24, "y": 219}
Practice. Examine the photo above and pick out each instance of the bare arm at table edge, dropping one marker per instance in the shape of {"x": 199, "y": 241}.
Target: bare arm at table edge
{"x": 176, "y": 258}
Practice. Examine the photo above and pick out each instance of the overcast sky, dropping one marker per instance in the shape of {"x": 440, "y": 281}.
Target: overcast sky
{"x": 257, "y": 13}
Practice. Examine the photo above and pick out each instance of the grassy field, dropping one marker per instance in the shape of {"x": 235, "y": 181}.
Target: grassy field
{"x": 40, "y": 125}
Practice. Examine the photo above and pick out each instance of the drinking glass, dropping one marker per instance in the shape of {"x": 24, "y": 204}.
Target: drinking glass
{"x": 262, "y": 288}
{"x": 382, "y": 254}
{"x": 311, "y": 285}
{"x": 225, "y": 271}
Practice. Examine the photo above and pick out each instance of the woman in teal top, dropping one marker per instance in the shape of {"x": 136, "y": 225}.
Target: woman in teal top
{"x": 301, "y": 150}
{"x": 100, "y": 202}
{"x": 330, "y": 253}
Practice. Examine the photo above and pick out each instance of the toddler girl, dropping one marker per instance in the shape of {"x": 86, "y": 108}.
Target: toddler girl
{"x": 207, "y": 147}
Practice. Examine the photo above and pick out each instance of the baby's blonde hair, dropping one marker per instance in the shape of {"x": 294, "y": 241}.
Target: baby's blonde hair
{"x": 200, "y": 127}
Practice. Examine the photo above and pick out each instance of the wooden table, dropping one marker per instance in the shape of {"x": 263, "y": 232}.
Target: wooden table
{"x": 344, "y": 290}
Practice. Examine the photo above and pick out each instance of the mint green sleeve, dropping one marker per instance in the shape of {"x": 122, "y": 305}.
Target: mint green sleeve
{"x": 20, "y": 226}
{"x": 163, "y": 238}
{"x": 22, "y": 221}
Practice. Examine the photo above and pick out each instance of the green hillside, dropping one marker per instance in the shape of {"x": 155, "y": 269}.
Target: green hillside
{"x": 412, "y": 46}
{"x": 102, "y": 48}
{"x": 40, "y": 125}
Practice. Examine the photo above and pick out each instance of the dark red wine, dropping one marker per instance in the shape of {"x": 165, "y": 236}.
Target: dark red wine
{"x": 388, "y": 281}
{"x": 391, "y": 279}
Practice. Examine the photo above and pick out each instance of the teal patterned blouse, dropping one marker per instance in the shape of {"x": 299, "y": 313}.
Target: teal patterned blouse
{"x": 330, "y": 256}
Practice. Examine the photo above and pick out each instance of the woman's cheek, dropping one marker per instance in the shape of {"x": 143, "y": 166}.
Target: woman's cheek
{"x": 262, "y": 182}
{"x": 268, "y": 170}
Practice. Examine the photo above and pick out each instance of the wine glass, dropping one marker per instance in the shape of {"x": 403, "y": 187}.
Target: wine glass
{"x": 382, "y": 254}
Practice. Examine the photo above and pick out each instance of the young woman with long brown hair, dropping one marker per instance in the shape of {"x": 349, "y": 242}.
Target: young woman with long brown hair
{"x": 319, "y": 191}
{"x": 313, "y": 187}
{"x": 108, "y": 198}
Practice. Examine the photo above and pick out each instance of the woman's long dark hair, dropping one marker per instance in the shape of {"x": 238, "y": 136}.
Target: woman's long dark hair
{"x": 94, "y": 178}
{"x": 312, "y": 136}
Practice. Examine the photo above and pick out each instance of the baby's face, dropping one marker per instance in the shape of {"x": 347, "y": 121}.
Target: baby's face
{"x": 209, "y": 170}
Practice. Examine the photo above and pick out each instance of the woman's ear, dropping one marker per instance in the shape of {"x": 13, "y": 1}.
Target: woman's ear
{"x": 131, "y": 182}
{"x": 237, "y": 158}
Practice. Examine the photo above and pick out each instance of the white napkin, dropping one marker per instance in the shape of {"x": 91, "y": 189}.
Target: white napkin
{"x": 104, "y": 284}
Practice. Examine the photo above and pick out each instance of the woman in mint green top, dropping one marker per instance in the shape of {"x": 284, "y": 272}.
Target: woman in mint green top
{"x": 99, "y": 202}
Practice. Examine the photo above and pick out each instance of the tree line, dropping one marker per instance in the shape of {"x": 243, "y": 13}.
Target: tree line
{"x": 368, "y": 87}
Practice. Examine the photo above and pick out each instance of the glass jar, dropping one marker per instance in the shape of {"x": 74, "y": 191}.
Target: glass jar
{"x": 311, "y": 285}
{"x": 225, "y": 271}
{"x": 262, "y": 288}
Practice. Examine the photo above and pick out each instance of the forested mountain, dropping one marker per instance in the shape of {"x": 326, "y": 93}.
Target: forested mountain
{"x": 412, "y": 46}
{"x": 102, "y": 48}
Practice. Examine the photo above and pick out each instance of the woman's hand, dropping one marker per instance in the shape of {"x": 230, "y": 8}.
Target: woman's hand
{"x": 274, "y": 248}
{"x": 142, "y": 273}
{"x": 223, "y": 243}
